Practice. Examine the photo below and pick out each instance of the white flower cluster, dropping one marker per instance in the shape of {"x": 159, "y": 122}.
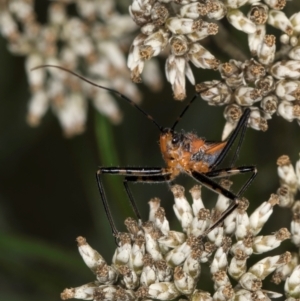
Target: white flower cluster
{"x": 91, "y": 43}
{"x": 178, "y": 26}
{"x": 154, "y": 262}
{"x": 289, "y": 186}
{"x": 276, "y": 87}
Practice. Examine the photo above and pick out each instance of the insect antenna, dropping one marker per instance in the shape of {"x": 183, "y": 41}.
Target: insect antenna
{"x": 204, "y": 89}
{"x": 183, "y": 112}
{"x": 148, "y": 116}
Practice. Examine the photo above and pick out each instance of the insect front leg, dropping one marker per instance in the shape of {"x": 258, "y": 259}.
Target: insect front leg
{"x": 232, "y": 171}
{"x": 142, "y": 179}
{"x": 132, "y": 174}
{"x": 105, "y": 204}
{"x": 162, "y": 177}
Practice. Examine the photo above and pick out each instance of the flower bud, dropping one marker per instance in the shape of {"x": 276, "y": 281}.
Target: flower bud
{"x": 294, "y": 53}
{"x": 288, "y": 110}
{"x": 266, "y": 53}
{"x": 202, "y": 58}
{"x": 163, "y": 291}
{"x": 237, "y": 19}
{"x": 247, "y": 96}
{"x": 286, "y": 69}
{"x": 292, "y": 285}
{"x": 276, "y": 4}
{"x": 258, "y": 13}
{"x": 181, "y": 207}
{"x": 261, "y": 214}
{"x": 269, "y": 104}
{"x": 183, "y": 25}
{"x": 288, "y": 90}
{"x": 255, "y": 39}
{"x": 279, "y": 20}
{"x": 85, "y": 292}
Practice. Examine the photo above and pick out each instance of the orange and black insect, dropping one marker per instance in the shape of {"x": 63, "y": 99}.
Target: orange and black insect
{"x": 182, "y": 153}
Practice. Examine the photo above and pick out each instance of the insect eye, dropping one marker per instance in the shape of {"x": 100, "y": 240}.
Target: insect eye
{"x": 175, "y": 139}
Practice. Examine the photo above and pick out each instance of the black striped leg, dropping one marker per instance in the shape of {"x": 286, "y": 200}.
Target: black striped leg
{"x": 232, "y": 171}
{"x": 240, "y": 128}
{"x": 214, "y": 186}
{"x": 114, "y": 230}
{"x": 132, "y": 174}
{"x": 164, "y": 176}
{"x": 145, "y": 179}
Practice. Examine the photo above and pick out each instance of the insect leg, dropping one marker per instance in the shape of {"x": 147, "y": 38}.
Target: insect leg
{"x": 164, "y": 176}
{"x": 136, "y": 174}
{"x": 113, "y": 227}
{"x": 231, "y": 171}
{"x": 145, "y": 179}
{"x": 214, "y": 186}
{"x": 241, "y": 127}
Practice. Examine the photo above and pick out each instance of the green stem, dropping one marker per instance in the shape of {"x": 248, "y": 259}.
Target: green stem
{"x": 108, "y": 157}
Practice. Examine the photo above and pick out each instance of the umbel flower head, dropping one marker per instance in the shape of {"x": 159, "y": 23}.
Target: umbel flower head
{"x": 90, "y": 42}
{"x": 176, "y": 26}
{"x": 152, "y": 261}
{"x": 270, "y": 78}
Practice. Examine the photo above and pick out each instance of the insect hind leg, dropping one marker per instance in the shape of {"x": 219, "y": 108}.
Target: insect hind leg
{"x": 232, "y": 171}
{"x": 240, "y": 128}
{"x": 216, "y": 187}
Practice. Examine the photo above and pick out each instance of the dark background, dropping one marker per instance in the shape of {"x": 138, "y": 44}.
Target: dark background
{"x": 48, "y": 192}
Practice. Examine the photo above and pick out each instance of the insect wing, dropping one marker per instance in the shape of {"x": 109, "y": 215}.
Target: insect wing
{"x": 208, "y": 152}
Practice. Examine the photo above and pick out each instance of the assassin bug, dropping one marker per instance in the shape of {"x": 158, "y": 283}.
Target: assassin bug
{"x": 182, "y": 153}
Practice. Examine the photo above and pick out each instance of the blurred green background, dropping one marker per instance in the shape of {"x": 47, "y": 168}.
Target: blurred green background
{"x": 48, "y": 192}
